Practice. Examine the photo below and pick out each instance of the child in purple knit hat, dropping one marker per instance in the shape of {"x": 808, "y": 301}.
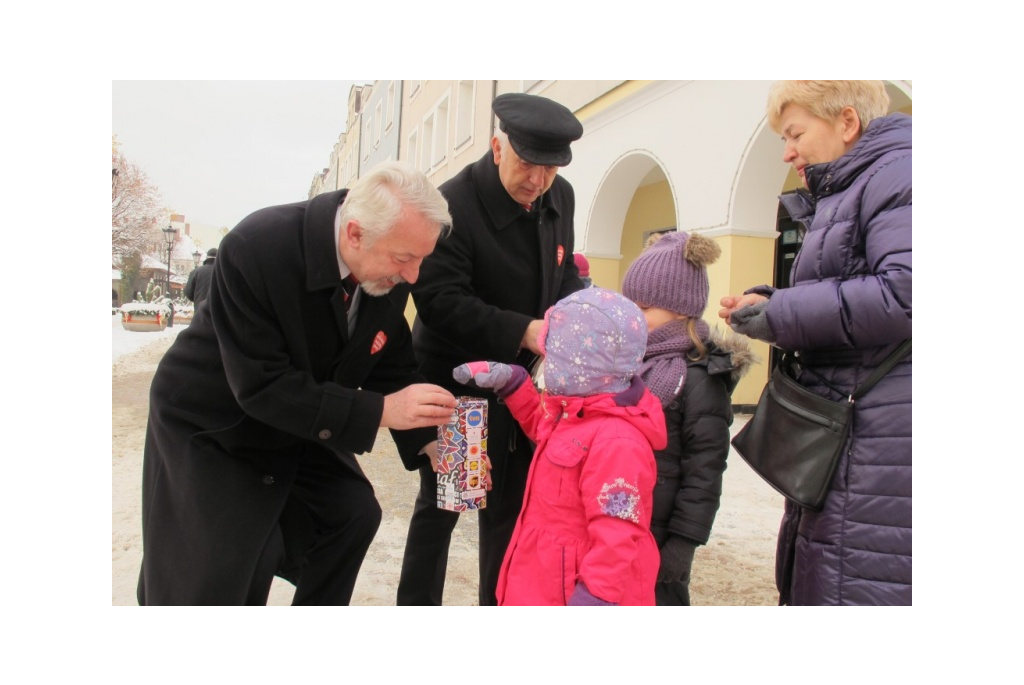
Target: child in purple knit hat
{"x": 583, "y": 535}
{"x": 692, "y": 372}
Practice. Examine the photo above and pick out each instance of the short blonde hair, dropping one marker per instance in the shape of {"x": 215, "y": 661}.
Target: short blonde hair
{"x": 826, "y": 99}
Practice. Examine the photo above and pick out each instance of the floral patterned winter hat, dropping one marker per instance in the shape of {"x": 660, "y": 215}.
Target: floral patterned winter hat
{"x": 593, "y": 341}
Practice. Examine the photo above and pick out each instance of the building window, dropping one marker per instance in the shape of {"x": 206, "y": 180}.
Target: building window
{"x": 464, "y": 118}
{"x": 428, "y": 136}
{"x": 414, "y": 88}
{"x": 440, "y": 142}
{"x": 391, "y": 107}
{"x": 412, "y": 150}
{"x": 346, "y": 170}
{"x": 649, "y": 235}
{"x": 366, "y": 137}
{"x": 376, "y": 130}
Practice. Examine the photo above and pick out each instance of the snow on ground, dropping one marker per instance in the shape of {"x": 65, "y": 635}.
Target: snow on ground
{"x": 125, "y": 342}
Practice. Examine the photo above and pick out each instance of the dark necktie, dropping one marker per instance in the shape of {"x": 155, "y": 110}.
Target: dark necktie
{"x": 349, "y": 284}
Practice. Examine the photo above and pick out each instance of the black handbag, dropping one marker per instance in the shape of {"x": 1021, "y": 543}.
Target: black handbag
{"x": 795, "y": 438}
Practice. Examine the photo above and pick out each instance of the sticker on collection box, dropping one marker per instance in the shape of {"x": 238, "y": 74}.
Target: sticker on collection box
{"x": 462, "y": 446}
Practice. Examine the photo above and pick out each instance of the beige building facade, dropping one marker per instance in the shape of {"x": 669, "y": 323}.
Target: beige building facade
{"x": 445, "y": 125}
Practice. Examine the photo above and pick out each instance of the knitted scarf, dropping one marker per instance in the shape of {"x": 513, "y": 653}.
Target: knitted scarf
{"x": 664, "y": 367}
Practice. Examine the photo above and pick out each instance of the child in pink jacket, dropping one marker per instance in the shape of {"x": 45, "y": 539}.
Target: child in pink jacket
{"x": 583, "y": 536}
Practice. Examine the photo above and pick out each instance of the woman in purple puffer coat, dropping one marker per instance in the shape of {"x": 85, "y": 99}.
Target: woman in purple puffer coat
{"x": 848, "y": 307}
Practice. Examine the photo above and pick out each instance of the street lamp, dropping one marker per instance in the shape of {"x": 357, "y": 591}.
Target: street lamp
{"x": 197, "y": 257}
{"x": 170, "y": 233}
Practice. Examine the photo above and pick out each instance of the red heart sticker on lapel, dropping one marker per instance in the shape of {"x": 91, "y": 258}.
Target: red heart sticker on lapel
{"x": 561, "y": 255}
{"x": 378, "y": 342}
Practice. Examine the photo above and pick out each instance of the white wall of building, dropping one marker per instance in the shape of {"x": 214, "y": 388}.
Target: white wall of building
{"x": 706, "y": 138}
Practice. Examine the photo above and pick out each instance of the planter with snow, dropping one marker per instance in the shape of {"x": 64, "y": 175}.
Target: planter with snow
{"x": 183, "y": 314}
{"x": 144, "y": 317}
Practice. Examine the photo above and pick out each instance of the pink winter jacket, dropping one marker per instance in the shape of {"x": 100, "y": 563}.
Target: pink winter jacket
{"x": 586, "y": 513}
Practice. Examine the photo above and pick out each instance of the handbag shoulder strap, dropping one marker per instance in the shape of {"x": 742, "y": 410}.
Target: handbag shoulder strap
{"x": 885, "y": 367}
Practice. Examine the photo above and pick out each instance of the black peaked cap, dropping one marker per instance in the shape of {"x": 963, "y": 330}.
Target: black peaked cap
{"x": 540, "y": 130}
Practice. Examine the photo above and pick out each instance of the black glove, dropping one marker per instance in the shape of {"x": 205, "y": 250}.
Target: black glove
{"x": 676, "y": 560}
{"x": 752, "y": 322}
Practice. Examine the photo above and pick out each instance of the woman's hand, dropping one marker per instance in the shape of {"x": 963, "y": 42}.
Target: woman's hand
{"x": 732, "y": 303}
{"x": 753, "y": 322}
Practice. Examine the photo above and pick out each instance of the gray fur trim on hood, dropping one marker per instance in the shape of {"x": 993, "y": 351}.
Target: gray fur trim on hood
{"x": 733, "y": 354}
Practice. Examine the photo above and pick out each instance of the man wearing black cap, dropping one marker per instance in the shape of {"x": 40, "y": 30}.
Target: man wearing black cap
{"x": 482, "y": 296}
{"x": 198, "y": 285}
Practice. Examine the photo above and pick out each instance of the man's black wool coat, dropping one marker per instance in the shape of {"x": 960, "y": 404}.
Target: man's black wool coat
{"x": 266, "y": 374}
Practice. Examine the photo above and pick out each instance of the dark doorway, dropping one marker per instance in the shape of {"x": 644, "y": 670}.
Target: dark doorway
{"x": 791, "y": 237}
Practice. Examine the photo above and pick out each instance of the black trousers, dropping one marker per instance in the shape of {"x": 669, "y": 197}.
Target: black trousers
{"x": 425, "y": 562}
{"x": 672, "y": 594}
{"x": 322, "y": 537}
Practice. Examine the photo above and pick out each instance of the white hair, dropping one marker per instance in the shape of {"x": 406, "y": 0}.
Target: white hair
{"x": 376, "y": 200}
{"x": 502, "y": 140}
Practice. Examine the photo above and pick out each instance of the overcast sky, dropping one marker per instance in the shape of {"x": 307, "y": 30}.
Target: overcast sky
{"x": 218, "y": 150}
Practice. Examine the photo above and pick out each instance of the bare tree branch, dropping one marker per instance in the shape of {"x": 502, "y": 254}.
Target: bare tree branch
{"x": 135, "y": 210}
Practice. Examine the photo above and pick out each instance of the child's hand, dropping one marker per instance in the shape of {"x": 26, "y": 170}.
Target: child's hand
{"x": 488, "y": 482}
{"x": 502, "y": 378}
{"x": 582, "y": 597}
{"x": 493, "y": 375}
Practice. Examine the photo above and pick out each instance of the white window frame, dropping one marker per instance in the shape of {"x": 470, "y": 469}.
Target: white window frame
{"x": 464, "y": 115}
{"x": 366, "y": 137}
{"x": 426, "y": 154}
{"x": 412, "y": 148}
{"x": 377, "y": 119}
{"x": 390, "y": 120}
{"x": 346, "y": 170}
{"x": 534, "y": 87}
{"x": 439, "y": 145}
